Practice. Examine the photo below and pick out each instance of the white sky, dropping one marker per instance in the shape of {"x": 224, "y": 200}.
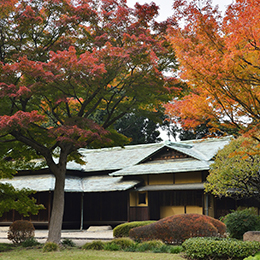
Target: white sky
{"x": 166, "y": 6}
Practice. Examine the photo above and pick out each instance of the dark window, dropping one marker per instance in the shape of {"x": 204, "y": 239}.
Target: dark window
{"x": 142, "y": 198}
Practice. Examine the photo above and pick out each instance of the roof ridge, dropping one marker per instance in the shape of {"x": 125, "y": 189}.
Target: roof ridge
{"x": 128, "y": 147}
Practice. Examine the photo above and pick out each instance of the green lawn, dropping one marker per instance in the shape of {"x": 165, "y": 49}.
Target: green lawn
{"x": 78, "y": 254}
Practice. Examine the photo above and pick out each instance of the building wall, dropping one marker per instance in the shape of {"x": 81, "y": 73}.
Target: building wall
{"x": 177, "y": 178}
{"x": 193, "y": 209}
{"x": 138, "y": 206}
{"x": 188, "y": 177}
{"x": 166, "y": 211}
{"x": 161, "y": 179}
{"x": 138, "y": 199}
{"x": 166, "y": 203}
{"x": 105, "y": 208}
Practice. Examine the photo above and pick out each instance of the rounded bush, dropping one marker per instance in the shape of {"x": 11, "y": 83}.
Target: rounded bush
{"x": 123, "y": 243}
{"x": 20, "y": 230}
{"x": 150, "y": 245}
{"x": 241, "y": 221}
{"x": 95, "y": 245}
{"x": 123, "y": 229}
{"x": 50, "y": 247}
{"x": 176, "y": 229}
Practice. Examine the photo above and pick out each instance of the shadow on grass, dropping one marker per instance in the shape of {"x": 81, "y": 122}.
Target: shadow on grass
{"x": 4, "y": 247}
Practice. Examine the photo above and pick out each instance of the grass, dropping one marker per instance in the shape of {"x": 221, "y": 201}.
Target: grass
{"x": 78, "y": 254}
{"x": 6, "y": 247}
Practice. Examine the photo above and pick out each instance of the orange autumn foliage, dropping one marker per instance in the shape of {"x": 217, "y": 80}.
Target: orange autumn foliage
{"x": 220, "y": 61}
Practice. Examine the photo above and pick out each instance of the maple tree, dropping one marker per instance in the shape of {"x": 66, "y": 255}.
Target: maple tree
{"x": 61, "y": 62}
{"x": 219, "y": 61}
{"x": 235, "y": 171}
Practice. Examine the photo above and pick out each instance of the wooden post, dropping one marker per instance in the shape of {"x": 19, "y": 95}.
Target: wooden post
{"x": 49, "y": 209}
{"x": 82, "y": 211}
{"x": 128, "y": 206}
{"x": 207, "y": 204}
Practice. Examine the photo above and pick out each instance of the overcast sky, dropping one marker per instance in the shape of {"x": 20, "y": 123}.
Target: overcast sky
{"x": 166, "y": 6}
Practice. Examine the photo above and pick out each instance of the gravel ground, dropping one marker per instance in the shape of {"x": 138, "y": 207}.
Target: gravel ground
{"x": 79, "y": 237}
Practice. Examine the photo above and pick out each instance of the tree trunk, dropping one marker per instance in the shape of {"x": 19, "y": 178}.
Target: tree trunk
{"x": 57, "y": 207}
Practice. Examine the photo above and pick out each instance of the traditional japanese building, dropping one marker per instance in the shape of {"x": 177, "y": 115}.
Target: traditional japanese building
{"x": 137, "y": 182}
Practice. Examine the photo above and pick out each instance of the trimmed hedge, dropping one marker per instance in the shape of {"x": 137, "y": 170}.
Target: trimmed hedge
{"x": 123, "y": 229}
{"x": 176, "y": 229}
{"x": 219, "y": 248}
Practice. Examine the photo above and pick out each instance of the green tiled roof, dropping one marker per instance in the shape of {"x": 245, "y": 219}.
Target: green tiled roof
{"x": 46, "y": 182}
{"x": 118, "y": 158}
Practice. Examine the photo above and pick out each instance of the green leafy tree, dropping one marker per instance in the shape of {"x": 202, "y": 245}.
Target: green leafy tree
{"x": 199, "y": 132}
{"x": 61, "y": 61}
{"x": 236, "y": 170}
{"x": 140, "y": 129}
{"x": 11, "y": 198}
{"x": 19, "y": 200}
{"x": 240, "y": 221}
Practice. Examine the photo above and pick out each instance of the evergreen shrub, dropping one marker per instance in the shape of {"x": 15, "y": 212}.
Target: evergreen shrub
{"x": 50, "y": 247}
{"x": 123, "y": 229}
{"x": 68, "y": 243}
{"x": 176, "y": 229}
{"x": 219, "y": 248}
{"x": 95, "y": 245}
{"x": 157, "y": 246}
{"x": 123, "y": 242}
{"x": 240, "y": 221}
{"x": 30, "y": 242}
{"x": 20, "y": 230}
{"x": 150, "y": 245}
{"x": 176, "y": 249}
{"x": 111, "y": 246}
{"x": 128, "y": 245}
{"x": 163, "y": 249}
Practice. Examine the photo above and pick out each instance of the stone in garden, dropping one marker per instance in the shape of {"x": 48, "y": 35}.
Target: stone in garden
{"x": 252, "y": 236}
